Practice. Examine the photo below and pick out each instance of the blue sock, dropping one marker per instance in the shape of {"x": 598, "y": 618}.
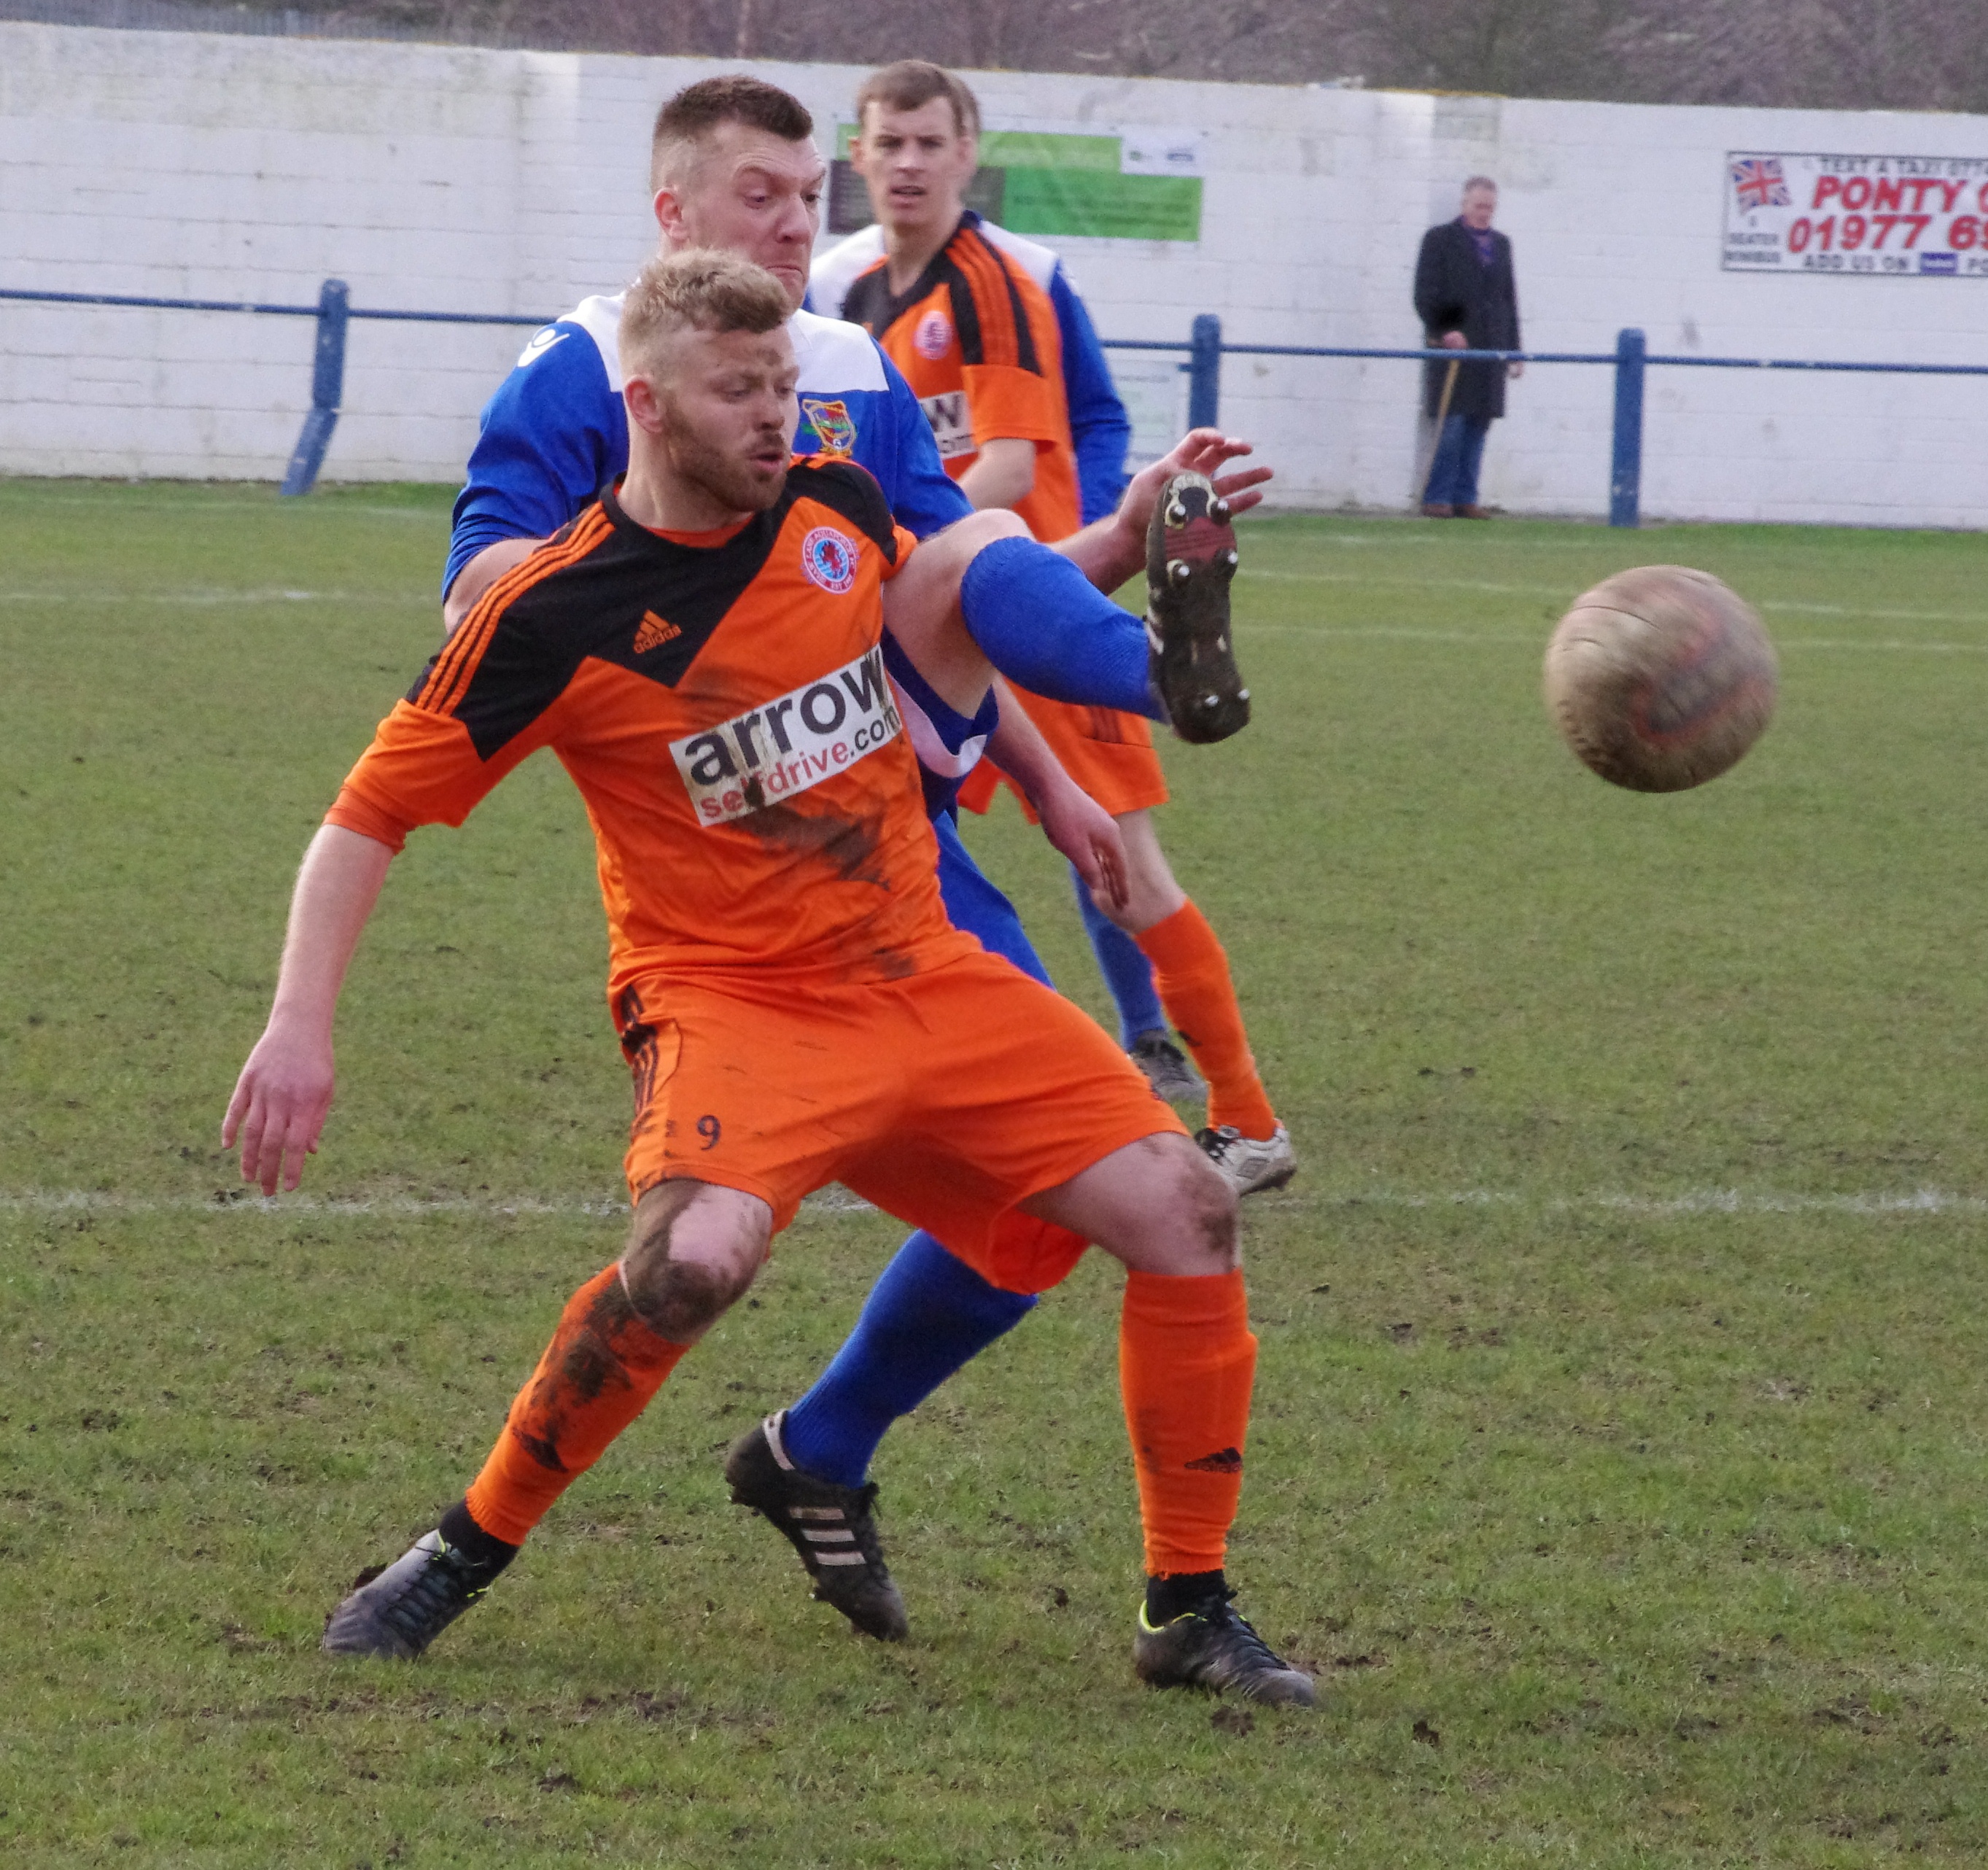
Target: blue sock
{"x": 1127, "y": 971}
{"x": 929, "y": 1314}
{"x": 1042, "y": 624}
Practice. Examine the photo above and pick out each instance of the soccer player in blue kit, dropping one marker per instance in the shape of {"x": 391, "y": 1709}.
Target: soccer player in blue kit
{"x": 734, "y": 166}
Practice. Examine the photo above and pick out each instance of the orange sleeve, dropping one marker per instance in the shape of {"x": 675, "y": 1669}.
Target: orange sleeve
{"x": 907, "y": 544}
{"x": 421, "y": 768}
{"x": 1006, "y": 373}
{"x": 1009, "y": 404}
{"x": 425, "y": 765}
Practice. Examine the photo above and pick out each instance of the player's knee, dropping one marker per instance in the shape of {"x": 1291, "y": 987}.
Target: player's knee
{"x": 680, "y": 1299}
{"x": 974, "y": 534}
{"x": 1206, "y": 1210}
{"x": 995, "y": 522}
{"x": 690, "y": 1257}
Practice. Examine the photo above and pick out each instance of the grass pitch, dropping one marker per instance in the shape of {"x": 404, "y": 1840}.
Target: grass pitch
{"x": 1618, "y": 1459}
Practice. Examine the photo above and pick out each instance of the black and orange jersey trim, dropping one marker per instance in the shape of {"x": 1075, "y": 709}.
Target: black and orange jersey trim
{"x": 978, "y": 341}
{"x": 722, "y": 704}
{"x": 984, "y": 292}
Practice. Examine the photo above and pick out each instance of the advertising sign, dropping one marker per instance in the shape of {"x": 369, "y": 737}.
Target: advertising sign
{"x": 1891, "y": 216}
{"x": 1129, "y": 185}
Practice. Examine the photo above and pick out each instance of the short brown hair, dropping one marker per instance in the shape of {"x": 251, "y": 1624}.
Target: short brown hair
{"x": 911, "y": 82}
{"x": 688, "y": 118}
{"x": 1480, "y": 182}
{"x": 698, "y": 289}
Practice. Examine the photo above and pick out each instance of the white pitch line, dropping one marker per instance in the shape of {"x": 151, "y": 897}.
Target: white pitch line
{"x": 16, "y": 495}
{"x": 838, "y": 1200}
{"x": 1560, "y": 594}
{"x": 835, "y": 1199}
{"x": 1390, "y": 632}
{"x": 99, "y": 599}
{"x": 1697, "y": 1201}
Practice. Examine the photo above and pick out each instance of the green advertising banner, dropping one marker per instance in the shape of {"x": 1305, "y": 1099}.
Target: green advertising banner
{"x": 1047, "y": 183}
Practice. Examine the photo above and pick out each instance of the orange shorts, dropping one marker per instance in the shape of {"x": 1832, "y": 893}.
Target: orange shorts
{"x": 1109, "y": 755}
{"x": 946, "y": 1097}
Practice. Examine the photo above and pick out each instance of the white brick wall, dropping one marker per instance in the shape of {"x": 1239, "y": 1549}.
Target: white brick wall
{"x": 449, "y": 179}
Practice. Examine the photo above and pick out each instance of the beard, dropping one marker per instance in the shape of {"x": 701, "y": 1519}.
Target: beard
{"x": 736, "y": 482}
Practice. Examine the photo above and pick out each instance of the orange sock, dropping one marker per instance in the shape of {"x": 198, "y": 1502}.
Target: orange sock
{"x": 1191, "y": 973}
{"x": 597, "y": 1376}
{"x": 1187, "y": 1361}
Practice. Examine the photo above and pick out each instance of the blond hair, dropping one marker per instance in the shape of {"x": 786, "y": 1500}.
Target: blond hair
{"x": 698, "y": 289}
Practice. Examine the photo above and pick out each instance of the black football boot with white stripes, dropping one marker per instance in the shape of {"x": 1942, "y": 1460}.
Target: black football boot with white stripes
{"x": 832, "y": 1527}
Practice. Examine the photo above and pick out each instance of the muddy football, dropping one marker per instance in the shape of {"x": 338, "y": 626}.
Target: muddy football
{"x": 1661, "y": 677}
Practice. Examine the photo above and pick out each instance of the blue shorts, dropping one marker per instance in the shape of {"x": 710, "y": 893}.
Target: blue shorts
{"x": 976, "y": 906}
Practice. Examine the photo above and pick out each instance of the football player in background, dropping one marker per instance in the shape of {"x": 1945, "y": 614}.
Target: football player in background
{"x": 1100, "y": 432}
{"x": 980, "y": 344}
{"x": 702, "y": 648}
{"x": 734, "y": 166}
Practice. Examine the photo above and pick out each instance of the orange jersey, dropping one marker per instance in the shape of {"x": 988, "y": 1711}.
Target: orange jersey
{"x": 978, "y": 341}
{"x": 720, "y": 702}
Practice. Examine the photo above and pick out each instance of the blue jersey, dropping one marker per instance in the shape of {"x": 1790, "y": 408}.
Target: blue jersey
{"x": 1100, "y": 430}
{"x": 556, "y": 433}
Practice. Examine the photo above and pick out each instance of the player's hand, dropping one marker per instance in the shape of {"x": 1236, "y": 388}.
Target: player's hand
{"x": 1083, "y": 831}
{"x": 1200, "y": 450}
{"x": 1454, "y": 340}
{"x": 279, "y": 1106}
{"x": 1516, "y": 368}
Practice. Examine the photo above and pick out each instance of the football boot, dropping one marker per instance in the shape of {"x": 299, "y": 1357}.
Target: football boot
{"x": 834, "y": 1528}
{"x": 1212, "y": 1646}
{"x": 1190, "y": 561}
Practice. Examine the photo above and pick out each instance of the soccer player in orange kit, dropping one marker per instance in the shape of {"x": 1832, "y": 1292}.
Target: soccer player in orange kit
{"x": 701, "y": 650}
{"x": 979, "y": 342}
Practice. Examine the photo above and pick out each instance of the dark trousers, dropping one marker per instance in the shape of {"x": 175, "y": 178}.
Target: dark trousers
{"x": 1459, "y": 451}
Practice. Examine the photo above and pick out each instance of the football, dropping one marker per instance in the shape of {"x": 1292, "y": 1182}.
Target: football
{"x": 1661, "y": 677}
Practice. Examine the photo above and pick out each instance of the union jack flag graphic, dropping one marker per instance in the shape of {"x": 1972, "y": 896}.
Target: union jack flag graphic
{"x": 1757, "y": 181}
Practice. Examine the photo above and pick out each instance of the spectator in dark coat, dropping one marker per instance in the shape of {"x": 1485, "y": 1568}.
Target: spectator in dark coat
{"x": 1467, "y": 299}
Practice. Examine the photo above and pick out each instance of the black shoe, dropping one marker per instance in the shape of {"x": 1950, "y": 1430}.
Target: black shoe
{"x": 1190, "y": 559}
{"x": 400, "y": 1611}
{"x": 1166, "y": 1067}
{"x": 1212, "y": 1647}
{"x": 834, "y": 1528}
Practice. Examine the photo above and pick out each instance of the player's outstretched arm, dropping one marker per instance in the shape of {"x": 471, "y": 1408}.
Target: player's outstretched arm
{"x": 1072, "y": 821}
{"x": 1109, "y": 551}
{"x": 284, "y": 1093}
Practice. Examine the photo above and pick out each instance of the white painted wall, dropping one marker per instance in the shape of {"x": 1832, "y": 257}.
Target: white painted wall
{"x": 452, "y": 179}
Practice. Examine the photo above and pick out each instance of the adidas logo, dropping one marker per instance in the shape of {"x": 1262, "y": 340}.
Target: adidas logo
{"x": 1229, "y": 1461}
{"x": 655, "y": 632}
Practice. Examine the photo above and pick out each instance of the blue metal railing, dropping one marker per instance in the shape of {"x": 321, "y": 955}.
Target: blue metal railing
{"x": 334, "y": 311}
{"x": 1205, "y": 346}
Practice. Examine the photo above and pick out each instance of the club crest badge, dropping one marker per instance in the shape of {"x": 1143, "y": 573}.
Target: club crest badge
{"x": 933, "y": 338}
{"x": 834, "y": 426}
{"x": 829, "y": 558}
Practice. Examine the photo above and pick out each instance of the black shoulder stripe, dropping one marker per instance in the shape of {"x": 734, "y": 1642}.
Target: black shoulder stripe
{"x": 849, "y": 489}
{"x": 596, "y": 607}
{"x": 1025, "y": 331}
{"x": 522, "y": 670}
{"x": 965, "y": 312}
{"x": 868, "y": 301}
